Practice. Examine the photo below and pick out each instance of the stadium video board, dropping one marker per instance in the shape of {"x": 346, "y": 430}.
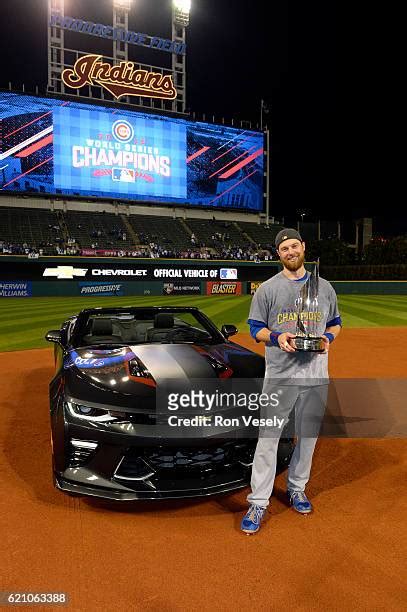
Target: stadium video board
{"x": 76, "y": 149}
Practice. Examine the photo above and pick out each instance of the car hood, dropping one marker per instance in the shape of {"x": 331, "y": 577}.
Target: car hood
{"x": 115, "y": 376}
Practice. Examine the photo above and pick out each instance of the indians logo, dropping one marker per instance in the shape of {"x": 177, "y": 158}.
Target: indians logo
{"x": 122, "y": 131}
{"x": 124, "y": 79}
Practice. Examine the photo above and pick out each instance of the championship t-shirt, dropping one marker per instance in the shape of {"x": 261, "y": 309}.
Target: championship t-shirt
{"x": 274, "y": 303}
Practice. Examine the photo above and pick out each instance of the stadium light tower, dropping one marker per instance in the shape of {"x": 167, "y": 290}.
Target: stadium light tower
{"x": 126, "y": 4}
{"x": 180, "y": 21}
{"x": 121, "y": 9}
{"x": 56, "y": 48}
{"x": 181, "y": 11}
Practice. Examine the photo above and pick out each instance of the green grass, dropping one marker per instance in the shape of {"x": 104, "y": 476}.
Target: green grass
{"x": 23, "y": 322}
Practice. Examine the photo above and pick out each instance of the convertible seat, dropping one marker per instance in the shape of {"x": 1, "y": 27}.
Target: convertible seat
{"x": 102, "y": 331}
{"x": 163, "y": 323}
{"x": 134, "y": 331}
{"x": 141, "y": 330}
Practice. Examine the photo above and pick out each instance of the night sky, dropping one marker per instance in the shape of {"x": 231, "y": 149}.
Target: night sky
{"x": 305, "y": 59}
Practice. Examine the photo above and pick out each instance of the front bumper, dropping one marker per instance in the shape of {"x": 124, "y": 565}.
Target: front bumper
{"x": 112, "y": 492}
{"x": 130, "y": 462}
{"x": 156, "y": 470}
{"x": 166, "y": 481}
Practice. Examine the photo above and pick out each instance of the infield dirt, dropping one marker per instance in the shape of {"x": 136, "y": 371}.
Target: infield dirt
{"x": 190, "y": 555}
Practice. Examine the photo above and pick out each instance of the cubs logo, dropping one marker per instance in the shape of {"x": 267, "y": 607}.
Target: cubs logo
{"x": 122, "y": 131}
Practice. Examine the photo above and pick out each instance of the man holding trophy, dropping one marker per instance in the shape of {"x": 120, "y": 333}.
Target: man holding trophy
{"x": 295, "y": 313}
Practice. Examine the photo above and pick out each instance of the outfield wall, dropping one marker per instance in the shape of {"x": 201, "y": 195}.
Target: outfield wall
{"x": 370, "y": 287}
{"x": 61, "y": 276}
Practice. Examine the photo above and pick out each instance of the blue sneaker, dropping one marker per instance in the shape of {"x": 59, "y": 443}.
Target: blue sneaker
{"x": 299, "y": 501}
{"x": 252, "y": 519}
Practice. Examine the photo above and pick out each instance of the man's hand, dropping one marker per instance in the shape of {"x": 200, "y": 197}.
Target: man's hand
{"x": 286, "y": 342}
{"x": 327, "y": 343}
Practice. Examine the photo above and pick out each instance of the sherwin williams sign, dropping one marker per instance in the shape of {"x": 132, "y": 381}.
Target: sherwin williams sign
{"x": 15, "y": 289}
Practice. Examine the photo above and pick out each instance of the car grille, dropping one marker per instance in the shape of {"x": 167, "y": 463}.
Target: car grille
{"x": 187, "y": 460}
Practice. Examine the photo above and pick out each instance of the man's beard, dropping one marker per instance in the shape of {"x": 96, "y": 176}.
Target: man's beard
{"x": 294, "y": 264}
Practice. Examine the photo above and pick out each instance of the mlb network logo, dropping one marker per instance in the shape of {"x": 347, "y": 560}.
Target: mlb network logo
{"x": 228, "y": 274}
{"x": 124, "y": 175}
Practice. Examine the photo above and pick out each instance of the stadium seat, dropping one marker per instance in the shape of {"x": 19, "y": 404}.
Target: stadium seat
{"x": 262, "y": 235}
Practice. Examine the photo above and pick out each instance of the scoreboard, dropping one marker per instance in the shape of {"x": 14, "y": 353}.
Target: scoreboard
{"x": 75, "y": 149}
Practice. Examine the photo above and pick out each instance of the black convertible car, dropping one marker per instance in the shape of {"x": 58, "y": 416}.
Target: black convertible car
{"x": 110, "y": 437}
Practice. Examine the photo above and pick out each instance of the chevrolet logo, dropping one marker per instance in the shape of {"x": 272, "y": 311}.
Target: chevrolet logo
{"x": 65, "y": 272}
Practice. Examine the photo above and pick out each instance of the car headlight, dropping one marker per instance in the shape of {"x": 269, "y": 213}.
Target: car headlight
{"x": 96, "y": 415}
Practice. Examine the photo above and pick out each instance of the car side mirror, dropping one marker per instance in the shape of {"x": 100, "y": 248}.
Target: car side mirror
{"x": 54, "y": 335}
{"x": 229, "y": 330}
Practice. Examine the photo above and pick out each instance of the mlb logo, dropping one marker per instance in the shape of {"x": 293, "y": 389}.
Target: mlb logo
{"x": 228, "y": 274}
{"x": 124, "y": 175}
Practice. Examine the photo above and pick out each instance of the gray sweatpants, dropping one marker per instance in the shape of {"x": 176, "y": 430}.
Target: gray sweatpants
{"x": 308, "y": 404}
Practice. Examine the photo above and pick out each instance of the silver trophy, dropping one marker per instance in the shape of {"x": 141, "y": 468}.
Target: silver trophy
{"x": 306, "y": 338}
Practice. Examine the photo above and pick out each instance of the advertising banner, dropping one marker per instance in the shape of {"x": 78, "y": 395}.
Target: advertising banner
{"x": 15, "y": 289}
{"x": 252, "y": 287}
{"x": 227, "y": 288}
{"x": 99, "y": 253}
{"x": 136, "y": 270}
{"x": 101, "y": 289}
{"x": 181, "y": 288}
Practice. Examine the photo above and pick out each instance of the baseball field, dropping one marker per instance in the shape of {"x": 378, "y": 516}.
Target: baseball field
{"x": 173, "y": 556}
{"x": 23, "y": 322}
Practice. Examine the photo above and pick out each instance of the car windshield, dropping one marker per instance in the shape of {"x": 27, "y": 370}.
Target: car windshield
{"x": 138, "y": 326}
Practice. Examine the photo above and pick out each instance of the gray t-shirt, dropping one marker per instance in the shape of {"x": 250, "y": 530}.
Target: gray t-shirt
{"x": 274, "y": 303}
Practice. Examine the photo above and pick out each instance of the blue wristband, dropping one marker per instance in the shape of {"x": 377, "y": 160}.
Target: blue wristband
{"x": 330, "y": 336}
{"x": 273, "y": 338}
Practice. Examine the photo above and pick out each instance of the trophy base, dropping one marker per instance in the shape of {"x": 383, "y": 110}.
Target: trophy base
{"x": 312, "y": 345}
